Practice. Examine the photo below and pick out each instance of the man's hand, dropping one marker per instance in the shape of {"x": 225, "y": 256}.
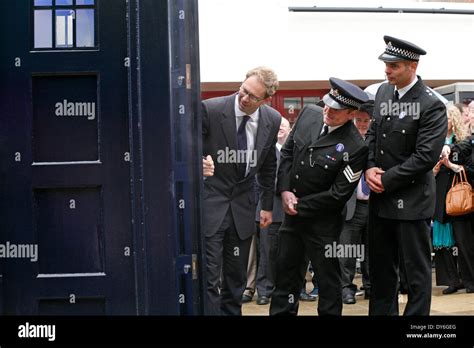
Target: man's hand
{"x": 208, "y": 166}
{"x": 265, "y": 218}
{"x": 289, "y": 200}
{"x": 373, "y": 177}
{"x": 437, "y": 167}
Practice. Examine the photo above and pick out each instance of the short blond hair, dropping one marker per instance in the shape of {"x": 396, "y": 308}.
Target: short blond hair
{"x": 267, "y": 76}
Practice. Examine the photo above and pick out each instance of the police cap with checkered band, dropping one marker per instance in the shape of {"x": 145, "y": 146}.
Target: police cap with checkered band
{"x": 344, "y": 95}
{"x": 397, "y": 50}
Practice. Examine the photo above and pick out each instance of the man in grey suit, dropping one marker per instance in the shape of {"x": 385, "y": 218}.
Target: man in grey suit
{"x": 405, "y": 142}
{"x": 239, "y": 137}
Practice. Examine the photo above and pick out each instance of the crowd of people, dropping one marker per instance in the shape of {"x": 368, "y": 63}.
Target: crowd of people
{"x": 358, "y": 176}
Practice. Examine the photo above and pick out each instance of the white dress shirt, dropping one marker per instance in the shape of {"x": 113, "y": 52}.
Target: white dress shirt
{"x": 404, "y": 90}
{"x": 332, "y": 128}
{"x": 250, "y": 129}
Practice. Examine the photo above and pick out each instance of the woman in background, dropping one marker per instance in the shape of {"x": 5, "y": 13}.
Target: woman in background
{"x": 444, "y": 244}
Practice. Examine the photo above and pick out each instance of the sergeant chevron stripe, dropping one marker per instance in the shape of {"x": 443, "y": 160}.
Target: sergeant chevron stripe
{"x": 350, "y": 175}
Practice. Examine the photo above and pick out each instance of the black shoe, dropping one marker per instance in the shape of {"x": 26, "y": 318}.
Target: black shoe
{"x": 367, "y": 294}
{"x": 450, "y": 290}
{"x": 349, "y": 298}
{"x": 246, "y": 298}
{"x": 263, "y": 300}
{"x": 305, "y": 297}
{"x": 469, "y": 290}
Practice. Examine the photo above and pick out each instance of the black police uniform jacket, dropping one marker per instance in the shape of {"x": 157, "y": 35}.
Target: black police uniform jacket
{"x": 322, "y": 173}
{"x": 405, "y": 140}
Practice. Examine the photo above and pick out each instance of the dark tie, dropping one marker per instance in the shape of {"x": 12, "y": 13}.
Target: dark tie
{"x": 324, "y": 131}
{"x": 242, "y": 146}
{"x": 364, "y": 187}
{"x": 395, "y": 96}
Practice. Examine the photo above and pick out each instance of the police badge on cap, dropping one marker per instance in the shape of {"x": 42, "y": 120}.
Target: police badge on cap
{"x": 398, "y": 50}
{"x": 344, "y": 95}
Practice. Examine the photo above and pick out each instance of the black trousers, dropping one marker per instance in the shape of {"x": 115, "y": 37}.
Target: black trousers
{"x": 294, "y": 241}
{"x": 463, "y": 229}
{"x": 446, "y": 268}
{"x": 266, "y": 269}
{"x": 394, "y": 243}
{"x": 355, "y": 232}
{"x": 447, "y": 272}
{"x": 226, "y": 255}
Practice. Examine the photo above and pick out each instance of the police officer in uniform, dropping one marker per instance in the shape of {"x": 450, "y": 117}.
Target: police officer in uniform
{"x": 405, "y": 141}
{"x": 320, "y": 165}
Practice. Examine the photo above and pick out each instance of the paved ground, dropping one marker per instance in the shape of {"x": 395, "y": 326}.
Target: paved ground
{"x": 459, "y": 303}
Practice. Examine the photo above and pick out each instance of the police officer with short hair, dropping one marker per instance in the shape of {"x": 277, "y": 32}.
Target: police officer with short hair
{"x": 321, "y": 163}
{"x": 405, "y": 142}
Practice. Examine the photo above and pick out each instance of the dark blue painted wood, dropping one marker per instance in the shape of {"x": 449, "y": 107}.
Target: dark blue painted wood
{"x": 168, "y": 158}
{"x": 184, "y": 51}
{"x": 81, "y": 250}
{"x": 132, "y": 204}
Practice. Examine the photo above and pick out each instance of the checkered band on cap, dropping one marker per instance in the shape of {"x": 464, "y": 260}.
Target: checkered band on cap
{"x": 400, "y": 52}
{"x": 334, "y": 93}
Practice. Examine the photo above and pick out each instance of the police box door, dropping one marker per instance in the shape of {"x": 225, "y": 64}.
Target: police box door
{"x": 68, "y": 176}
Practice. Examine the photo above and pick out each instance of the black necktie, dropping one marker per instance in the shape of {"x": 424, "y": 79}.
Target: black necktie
{"x": 395, "y": 96}
{"x": 325, "y": 131}
{"x": 242, "y": 146}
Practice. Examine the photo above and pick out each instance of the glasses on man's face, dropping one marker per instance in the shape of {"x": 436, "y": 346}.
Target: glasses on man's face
{"x": 244, "y": 92}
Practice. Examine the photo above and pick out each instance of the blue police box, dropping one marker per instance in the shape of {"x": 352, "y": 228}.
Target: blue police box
{"x": 100, "y": 158}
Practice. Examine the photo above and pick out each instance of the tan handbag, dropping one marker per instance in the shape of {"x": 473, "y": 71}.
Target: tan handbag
{"x": 460, "y": 198}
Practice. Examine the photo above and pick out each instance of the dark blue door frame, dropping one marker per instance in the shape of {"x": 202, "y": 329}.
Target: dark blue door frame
{"x": 166, "y": 167}
{"x": 163, "y": 108}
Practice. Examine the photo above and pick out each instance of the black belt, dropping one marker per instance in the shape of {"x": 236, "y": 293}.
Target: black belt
{"x": 363, "y": 201}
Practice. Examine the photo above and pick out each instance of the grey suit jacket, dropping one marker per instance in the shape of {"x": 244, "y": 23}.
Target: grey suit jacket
{"x": 277, "y": 213}
{"x": 225, "y": 190}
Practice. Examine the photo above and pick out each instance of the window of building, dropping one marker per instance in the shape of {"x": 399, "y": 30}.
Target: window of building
{"x": 293, "y": 105}
{"x": 64, "y": 24}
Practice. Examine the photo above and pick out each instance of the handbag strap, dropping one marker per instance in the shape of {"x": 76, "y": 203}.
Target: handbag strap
{"x": 459, "y": 177}
{"x": 455, "y": 180}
